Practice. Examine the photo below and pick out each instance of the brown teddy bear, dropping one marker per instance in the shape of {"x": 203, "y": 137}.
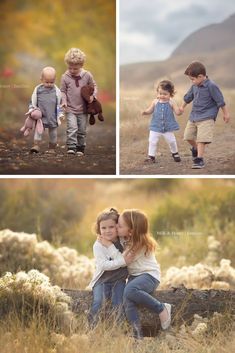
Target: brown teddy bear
{"x": 94, "y": 107}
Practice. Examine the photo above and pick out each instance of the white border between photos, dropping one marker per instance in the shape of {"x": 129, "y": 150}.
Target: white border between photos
{"x": 156, "y": 177}
{"x": 117, "y": 92}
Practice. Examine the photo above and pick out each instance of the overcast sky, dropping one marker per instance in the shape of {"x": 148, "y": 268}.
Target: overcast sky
{"x": 151, "y": 29}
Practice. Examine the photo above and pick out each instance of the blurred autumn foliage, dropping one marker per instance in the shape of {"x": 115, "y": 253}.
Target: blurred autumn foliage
{"x": 34, "y": 34}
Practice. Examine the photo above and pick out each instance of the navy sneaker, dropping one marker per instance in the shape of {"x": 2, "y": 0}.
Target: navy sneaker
{"x": 71, "y": 150}
{"x": 194, "y": 152}
{"x": 198, "y": 163}
{"x": 80, "y": 150}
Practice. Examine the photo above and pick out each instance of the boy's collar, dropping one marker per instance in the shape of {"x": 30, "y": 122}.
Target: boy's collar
{"x": 204, "y": 82}
{"x": 81, "y": 73}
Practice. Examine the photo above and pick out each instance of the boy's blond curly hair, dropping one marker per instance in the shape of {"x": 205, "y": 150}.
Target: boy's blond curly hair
{"x": 74, "y": 56}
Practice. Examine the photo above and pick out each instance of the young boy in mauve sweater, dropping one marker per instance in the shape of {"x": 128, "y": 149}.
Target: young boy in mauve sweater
{"x": 71, "y": 82}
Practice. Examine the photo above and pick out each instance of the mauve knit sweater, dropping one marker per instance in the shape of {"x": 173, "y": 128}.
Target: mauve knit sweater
{"x": 71, "y": 93}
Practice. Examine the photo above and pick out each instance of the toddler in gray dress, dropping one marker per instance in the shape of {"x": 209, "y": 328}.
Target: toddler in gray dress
{"x": 47, "y": 97}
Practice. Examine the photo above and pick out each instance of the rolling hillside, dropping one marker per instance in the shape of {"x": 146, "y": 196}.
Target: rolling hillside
{"x": 213, "y": 45}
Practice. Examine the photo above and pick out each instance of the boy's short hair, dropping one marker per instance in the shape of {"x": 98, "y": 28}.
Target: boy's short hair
{"x": 195, "y": 69}
{"x": 74, "y": 56}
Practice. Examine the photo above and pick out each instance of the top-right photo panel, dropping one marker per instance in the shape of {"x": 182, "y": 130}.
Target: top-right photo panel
{"x": 177, "y": 87}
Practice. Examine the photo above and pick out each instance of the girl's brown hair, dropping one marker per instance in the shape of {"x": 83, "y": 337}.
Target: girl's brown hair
{"x": 168, "y": 86}
{"x": 110, "y": 213}
{"x": 137, "y": 222}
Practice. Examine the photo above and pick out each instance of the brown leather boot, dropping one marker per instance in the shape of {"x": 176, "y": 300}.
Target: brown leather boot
{"x": 35, "y": 148}
{"x": 52, "y": 147}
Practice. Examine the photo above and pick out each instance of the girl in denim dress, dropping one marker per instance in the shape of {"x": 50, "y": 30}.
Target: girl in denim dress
{"x": 163, "y": 121}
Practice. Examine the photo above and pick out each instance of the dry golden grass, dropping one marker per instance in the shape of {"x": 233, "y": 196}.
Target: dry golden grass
{"x": 105, "y": 339}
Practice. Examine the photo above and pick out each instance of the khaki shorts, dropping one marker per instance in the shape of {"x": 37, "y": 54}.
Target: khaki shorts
{"x": 200, "y": 131}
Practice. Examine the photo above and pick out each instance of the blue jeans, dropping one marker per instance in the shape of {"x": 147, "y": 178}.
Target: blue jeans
{"x": 102, "y": 292}
{"x": 138, "y": 292}
{"x": 76, "y": 130}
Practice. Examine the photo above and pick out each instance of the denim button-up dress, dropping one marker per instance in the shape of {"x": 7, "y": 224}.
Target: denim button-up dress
{"x": 163, "y": 119}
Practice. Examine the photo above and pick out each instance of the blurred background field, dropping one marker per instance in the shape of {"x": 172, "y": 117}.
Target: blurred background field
{"x": 182, "y": 212}
{"x": 38, "y": 34}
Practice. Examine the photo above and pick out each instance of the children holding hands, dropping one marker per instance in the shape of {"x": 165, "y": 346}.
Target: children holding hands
{"x": 207, "y": 99}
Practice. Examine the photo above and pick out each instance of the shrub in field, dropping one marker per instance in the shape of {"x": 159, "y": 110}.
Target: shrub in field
{"x": 64, "y": 267}
{"x": 16, "y": 251}
{"x": 201, "y": 276}
{"x": 213, "y": 273}
{"x": 30, "y": 297}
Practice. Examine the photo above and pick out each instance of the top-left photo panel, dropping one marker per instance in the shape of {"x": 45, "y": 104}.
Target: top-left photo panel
{"x": 57, "y": 87}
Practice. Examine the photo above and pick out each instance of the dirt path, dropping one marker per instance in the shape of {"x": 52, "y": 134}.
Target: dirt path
{"x": 219, "y": 156}
{"x": 99, "y": 159}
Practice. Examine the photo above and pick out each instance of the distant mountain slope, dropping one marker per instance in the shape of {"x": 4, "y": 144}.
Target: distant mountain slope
{"x": 209, "y": 39}
{"x": 214, "y": 45}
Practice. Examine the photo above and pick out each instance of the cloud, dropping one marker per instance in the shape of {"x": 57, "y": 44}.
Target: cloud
{"x": 151, "y": 30}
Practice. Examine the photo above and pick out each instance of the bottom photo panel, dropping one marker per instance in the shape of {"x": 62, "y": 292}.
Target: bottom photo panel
{"x": 120, "y": 265}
